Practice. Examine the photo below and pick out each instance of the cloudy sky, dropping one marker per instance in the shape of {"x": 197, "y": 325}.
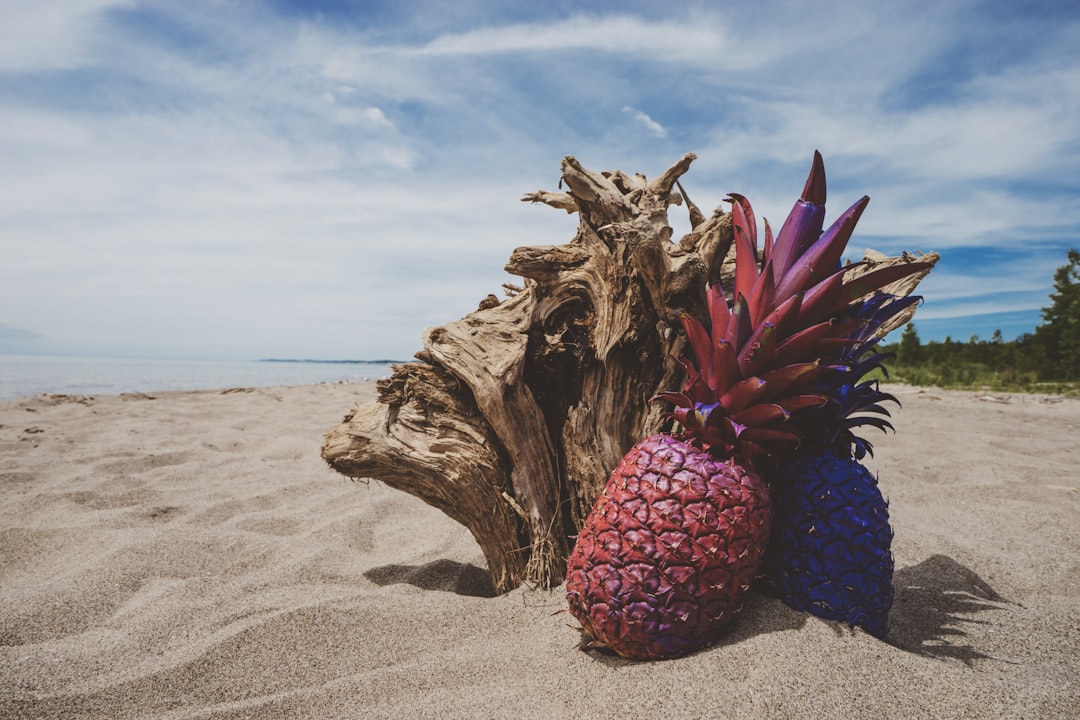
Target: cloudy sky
{"x": 274, "y": 179}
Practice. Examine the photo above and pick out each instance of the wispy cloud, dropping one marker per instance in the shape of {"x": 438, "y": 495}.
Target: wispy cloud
{"x": 181, "y": 178}
{"x": 668, "y": 40}
{"x": 52, "y": 36}
{"x": 653, "y": 127}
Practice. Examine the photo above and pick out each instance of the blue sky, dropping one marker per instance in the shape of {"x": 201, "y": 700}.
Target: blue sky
{"x": 242, "y": 179}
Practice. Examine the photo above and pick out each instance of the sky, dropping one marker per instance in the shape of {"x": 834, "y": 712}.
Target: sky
{"x": 245, "y": 180}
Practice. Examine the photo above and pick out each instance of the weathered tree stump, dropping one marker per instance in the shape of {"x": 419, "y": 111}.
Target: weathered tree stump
{"x": 515, "y": 415}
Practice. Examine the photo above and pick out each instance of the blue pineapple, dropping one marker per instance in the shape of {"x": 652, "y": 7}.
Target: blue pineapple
{"x": 830, "y": 550}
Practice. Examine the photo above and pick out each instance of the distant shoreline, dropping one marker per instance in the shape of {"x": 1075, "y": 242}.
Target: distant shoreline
{"x": 26, "y": 376}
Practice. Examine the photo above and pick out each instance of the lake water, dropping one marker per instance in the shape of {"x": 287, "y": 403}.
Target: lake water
{"x": 28, "y": 375}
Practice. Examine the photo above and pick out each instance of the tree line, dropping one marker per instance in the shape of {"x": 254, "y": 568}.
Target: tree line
{"x": 1049, "y": 356}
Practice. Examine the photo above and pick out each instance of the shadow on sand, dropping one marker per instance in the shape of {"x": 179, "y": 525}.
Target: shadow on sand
{"x": 934, "y": 602}
{"x": 444, "y": 575}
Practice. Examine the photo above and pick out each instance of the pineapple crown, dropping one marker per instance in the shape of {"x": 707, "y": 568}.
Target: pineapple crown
{"x": 794, "y": 321}
{"x": 855, "y": 401}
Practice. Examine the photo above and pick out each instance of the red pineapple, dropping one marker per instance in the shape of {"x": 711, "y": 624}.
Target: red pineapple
{"x": 668, "y": 550}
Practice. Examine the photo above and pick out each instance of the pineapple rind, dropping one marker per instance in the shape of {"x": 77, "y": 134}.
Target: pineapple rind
{"x": 671, "y": 546}
{"x": 830, "y": 551}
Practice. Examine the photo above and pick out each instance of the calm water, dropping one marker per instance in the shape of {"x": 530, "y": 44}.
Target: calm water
{"x": 27, "y": 375}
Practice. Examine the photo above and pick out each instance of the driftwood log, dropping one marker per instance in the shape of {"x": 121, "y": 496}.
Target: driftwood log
{"x": 514, "y": 416}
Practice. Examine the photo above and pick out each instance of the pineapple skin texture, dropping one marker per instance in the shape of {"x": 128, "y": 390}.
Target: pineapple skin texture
{"x": 667, "y": 553}
{"x": 830, "y": 551}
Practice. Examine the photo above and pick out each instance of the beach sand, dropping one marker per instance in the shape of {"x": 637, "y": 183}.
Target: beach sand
{"x": 189, "y": 555}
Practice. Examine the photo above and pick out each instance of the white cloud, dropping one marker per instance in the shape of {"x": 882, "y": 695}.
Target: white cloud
{"x": 613, "y": 34}
{"x": 376, "y": 117}
{"x": 654, "y": 127}
{"x": 36, "y": 36}
{"x": 935, "y": 309}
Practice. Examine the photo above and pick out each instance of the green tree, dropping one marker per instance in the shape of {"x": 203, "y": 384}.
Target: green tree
{"x": 910, "y": 351}
{"x": 1059, "y": 335}
{"x": 1027, "y": 352}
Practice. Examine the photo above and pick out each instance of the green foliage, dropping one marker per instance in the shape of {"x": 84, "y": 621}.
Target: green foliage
{"x": 1008, "y": 366}
{"x": 1046, "y": 361}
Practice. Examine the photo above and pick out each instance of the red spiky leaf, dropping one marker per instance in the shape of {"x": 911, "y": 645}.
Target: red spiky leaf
{"x": 742, "y": 213}
{"x": 742, "y": 394}
{"x": 785, "y": 315}
{"x": 701, "y": 344}
{"x": 793, "y": 403}
{"x": 739, "y": 329}
{"x": 833, "y": 294}
{"x": 762, "y": 295}
{"x": 803, "y": 225}
{"x": 678, "y": 399}
{"x": 823, "y": 257}
{"x": 727, "y": 365}
{"x": 784, "y": 379}
{"x": 802, "y": 344}
{"x": 769, "y": 437}
{"x": 746, "y": 267}
{"x": 762, "y": 414}
{"x": 758, "y": 350}
{"x": 767, "y": 252}
{"x": 719, "y": 313}
{"x": 877, "y": 279}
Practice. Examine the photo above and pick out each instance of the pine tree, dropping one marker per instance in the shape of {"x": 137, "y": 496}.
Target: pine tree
{"x": 910, "y": 351}
{"x": 1059, "y": 335}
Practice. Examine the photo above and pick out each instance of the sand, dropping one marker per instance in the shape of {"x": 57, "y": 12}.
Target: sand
{"x": 188, "y": 555}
